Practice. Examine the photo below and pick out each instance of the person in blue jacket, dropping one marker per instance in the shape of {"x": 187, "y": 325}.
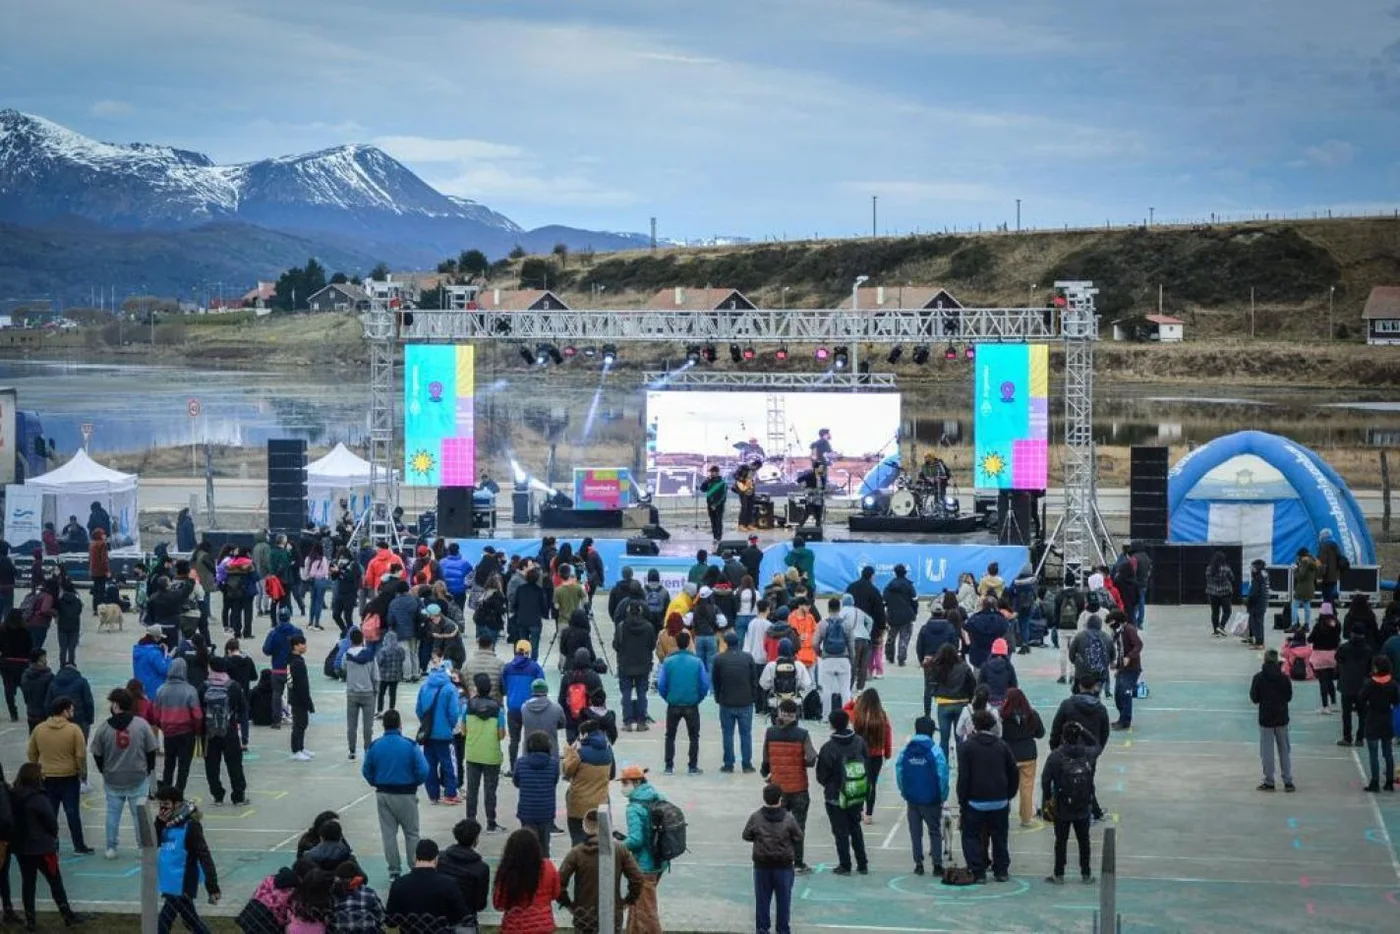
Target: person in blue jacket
{"x": 683, "y": 683}
{"x": 517, "y": 676}
{"x": 278, "y": 648}
{"x": 395, "y": 766}
{"x": 921, "y": 773}
{"x": 439, "y": 708}
{"x": 536, "y": 775}
{"x": 149, "y": 663}
{"x": 456, "y": 571}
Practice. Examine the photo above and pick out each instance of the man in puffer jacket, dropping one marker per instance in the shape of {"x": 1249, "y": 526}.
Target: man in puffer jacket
{"x": 537, "y": 777}
{"x": 776, "y": 838}
{"x": 635, "y": 643}
{"x": 455, "y": 570}
{"x": 998, "y": 674}
{"x": 517, "y": 679}
{"x": 181, "y": 720}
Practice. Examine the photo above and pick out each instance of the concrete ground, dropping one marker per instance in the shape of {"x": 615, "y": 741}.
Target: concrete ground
{"x": 1199, "y": 848}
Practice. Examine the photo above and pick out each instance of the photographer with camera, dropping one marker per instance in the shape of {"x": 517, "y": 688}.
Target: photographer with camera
{"x": 345, "y": 578}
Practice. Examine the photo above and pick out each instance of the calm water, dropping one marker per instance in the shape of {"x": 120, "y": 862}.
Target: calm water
{"x": 136, "y": 407}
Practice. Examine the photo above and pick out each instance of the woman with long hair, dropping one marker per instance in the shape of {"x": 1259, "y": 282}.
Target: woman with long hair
{"x": 666, "y": 639}
{"x": 1021, "y": 726}
{"x": 746, "y": 603}
{"x": 316, "y": 571}
{"x": 1325, "y": 639}
{"x": 312, "y": 903}
{"x": 950, "y": 683}
{"x": 526, "y": 886}
{"x": 490, "y": 615}
{"x": 34, "y": 841}
{"x": 873, "y": 725}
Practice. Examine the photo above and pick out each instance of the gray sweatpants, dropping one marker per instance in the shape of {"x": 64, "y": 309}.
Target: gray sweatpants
{"x": 1269, "y": 737}
{"x": 359, "y": 706}
{"x": 397, "y": 812}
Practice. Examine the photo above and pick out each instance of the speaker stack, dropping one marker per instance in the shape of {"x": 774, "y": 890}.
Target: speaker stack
{"x": 286, "y": 485}
{"x": 454, "y": 512}
{"x": 1147, "y": 488}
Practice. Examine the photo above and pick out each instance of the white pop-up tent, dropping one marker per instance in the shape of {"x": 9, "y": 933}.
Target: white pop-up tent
{"x": 72, "y": 490}
{"x": 341, "y": 474}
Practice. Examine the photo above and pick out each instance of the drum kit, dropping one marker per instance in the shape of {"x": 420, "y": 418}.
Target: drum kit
{"x": 920, "y": 498}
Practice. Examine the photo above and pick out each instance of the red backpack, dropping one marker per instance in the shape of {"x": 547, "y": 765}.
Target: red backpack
{"x": 577, "y": 697}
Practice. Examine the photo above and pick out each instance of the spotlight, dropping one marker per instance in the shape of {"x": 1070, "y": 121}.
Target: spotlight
{"x": 590, "y": 352}
{"x": 570, "y": 351}
{"x": 969, "y": 352}
{"x": 823, "y": 354}
{"x": 526, "y": 355}
{"x": 951, "y": 353}
{"x": 710, "y": 353}
{"x": 921, "y": 354}
{"x": 735, "y": 353}
{"x": 895, "y": 353}
{"x": 692, "y": 353}
{"x": 609, "y": 354}
{"x": 749, "y": 352}
{"x": 781, "y": 354}
{"x": 840, "y": 358}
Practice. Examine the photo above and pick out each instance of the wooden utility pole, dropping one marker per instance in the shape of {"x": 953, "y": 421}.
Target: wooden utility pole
{"x": 1385, "y": 496}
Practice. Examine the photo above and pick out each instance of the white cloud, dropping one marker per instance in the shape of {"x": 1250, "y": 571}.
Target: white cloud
{"x": 676, "y": 59}
{"x": 1333, "y": 154}
{"x": 425, "y": 149}
{"x": 111, "y": 108}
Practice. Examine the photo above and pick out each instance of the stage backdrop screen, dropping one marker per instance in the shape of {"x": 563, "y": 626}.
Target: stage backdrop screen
{"x": 688, "y": 430}
{"x": 1011, "y": 416}
{"x": 439, "y": 430}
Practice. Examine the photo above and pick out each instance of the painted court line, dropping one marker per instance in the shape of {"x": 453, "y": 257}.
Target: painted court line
{"x": 1380, "y": 818}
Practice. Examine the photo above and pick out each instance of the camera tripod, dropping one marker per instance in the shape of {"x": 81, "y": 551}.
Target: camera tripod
{"x": 594, "y": 632}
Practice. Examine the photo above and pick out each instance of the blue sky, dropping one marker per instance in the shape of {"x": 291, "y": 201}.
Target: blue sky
{"x": 759, "y": 117}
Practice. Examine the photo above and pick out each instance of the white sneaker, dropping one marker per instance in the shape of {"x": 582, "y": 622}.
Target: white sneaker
{"x": 111, "y": 853}
{"x": 309, "y": 753}
{"x": 301, "y": 756}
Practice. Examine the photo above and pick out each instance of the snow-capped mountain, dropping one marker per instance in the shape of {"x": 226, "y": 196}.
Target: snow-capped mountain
{"x": 354, "y": 198}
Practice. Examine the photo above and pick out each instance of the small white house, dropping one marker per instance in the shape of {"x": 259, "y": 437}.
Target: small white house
{"x": 1382, "y": 315}
{"x": 1161, "y": 328}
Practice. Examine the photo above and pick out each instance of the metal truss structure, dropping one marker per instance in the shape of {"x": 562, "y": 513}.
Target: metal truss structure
{"x": 738, "y": 379}
{"x": 1080, "y": 533}
{"x": 377, "y": 521}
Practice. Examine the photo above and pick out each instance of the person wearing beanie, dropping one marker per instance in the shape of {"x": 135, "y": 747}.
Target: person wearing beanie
{"x": 518, "y": 677}
{"x": 539, "y": 714}
{"x": 734, "y": 693}
{"x": 998, "y": 675}
{"x": 841, "y": 773}
{"x": 483, "y": 728}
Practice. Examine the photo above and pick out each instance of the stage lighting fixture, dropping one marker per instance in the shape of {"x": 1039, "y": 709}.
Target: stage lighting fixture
{"x": 692, "y": 353}
{"x": 895, "y": 353}
{"x": 840, "y": 358}
{"x": 969, "y": 352}
{"x": 781, "y": 354}
{"x": 823, "y": 354}
{"x": 609, "y": 354}
{"x": 570, "y": 351}
{"x": 710, "y": 353}
{"x": 951, "y": 353}
{"x": 526, "y": 355}
{"x": 750, "y": 353}
{"x": 921, "y": 354}
{"x": 736, "y": 354}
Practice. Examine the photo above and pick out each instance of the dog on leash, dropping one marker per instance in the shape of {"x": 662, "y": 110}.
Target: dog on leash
{"x": 109, "y": 617}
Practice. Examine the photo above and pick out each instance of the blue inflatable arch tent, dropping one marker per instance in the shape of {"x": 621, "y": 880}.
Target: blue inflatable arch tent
{"x": 1268, "y": 493}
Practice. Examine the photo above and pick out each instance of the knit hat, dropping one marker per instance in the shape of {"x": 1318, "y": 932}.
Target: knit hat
{"x": 523, "y": 647}
{"x": 539, "y": 686}
{"x": 999, "y": 647}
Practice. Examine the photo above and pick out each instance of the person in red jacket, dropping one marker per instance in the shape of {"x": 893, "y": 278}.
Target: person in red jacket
{"x": 99, "y": 567}
{"x": 526, "y": 886}
{"x": 871, "y": 724}
{"x": 379, "y": 565}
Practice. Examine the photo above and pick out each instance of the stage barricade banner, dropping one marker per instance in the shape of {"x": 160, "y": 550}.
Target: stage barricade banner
{"x": 673, "y": 568}
{"x": 602, "y": 487}
{"x": 933, "y": 568}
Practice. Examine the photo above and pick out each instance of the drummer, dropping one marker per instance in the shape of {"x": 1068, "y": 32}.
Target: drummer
{"x": 935, "y": 474}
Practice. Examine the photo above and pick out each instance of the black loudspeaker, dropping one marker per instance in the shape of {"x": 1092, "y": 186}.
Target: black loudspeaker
{"x": 1147, "y": 488}
{"x": 454, "y": 512}
{"x": 641, "y": 545}
{"x": 735, "y": 545}
{"x": 286, "y": 485}
{"x": 655, "y": 533}
{"x": 1014, "y": 507}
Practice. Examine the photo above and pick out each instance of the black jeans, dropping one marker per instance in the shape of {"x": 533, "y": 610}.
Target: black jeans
{"x": 300, "y": 717}
{"x": 1219, "y": 612}
{"x": 392, "y": 689}
{"x": 478, "y": 775}
{"x": 99, "y": 587}
{"x": 1081, "y": 837}
{"x": 226, "y": 750}
{"x": 63, "y": 792}
{"x": 897, "y": 643}
{"x": 30, "y": 869}
{"x": 716, "y": 522}
{"x": 68, "y": 647}
{"x": 343, "y": 611}
{"x": 1327, "y": 685}
{"x": 691, "y": 715}
{"x": 11, "y": 672}
{"x": 514, "y": 724}
{"x": 873, "y": 765}
{"x": 178, "y": 906}
{"x": 846, "y": 828}
{"x": 1351, "y": 704}
{"x": 797, "y": 804}
{"x": 179, "y": 752}
{"x": 240, "y": 615}
{"x": 995, "y": 824}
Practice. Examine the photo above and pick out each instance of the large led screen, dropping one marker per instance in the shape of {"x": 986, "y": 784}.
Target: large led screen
{"x": 1011, "y": 416}
{"x": 439, "y": 422}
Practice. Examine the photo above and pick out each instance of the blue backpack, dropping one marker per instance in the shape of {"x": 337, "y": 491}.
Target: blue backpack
{"x": 918, "y": 774}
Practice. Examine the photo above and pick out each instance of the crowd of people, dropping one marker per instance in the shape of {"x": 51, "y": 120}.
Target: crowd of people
{"x": 779, "y": 653}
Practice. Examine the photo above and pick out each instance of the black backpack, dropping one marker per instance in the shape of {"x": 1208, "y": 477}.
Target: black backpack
{"x": 1298, "y": 668}
{"x": 667, "y": 830}
{"x": 1075, "y": 789}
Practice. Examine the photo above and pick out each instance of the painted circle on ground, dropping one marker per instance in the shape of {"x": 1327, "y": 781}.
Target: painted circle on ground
{"x": 969, "y": 893}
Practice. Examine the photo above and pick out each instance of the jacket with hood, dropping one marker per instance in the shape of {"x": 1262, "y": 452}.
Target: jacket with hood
{"x": 328, "y": 854}
{"x": 1086, "y": 710}
{"x": 483, "y": 722}
{"x": 1353, "y": 664}
{"x": 34, "y": 685}
{"x": 580, "y": 866}
{"x": 1024, "y": 589}
{"x": 1078, "y": 649}
{"x": 35, "y": 831}
{"x": 998, "y": 675}
{"x": 918, "y": 792}
{"x": 517, "y": 675}
{"x": 1272, "y": 691}
{"x": 1054, "y": 769}
{"x": 683, "y": 681}
{"x": 184, "y": 854}
{"x": 124, "y": 750}
{"x": 278, "y": 645}
{"x": 149, "y": 665}
{"x": 577, "y": 635}
{"x": 57, "y": 745}
{"x": 440, "y": 694}
{"x": 539, "y": 714}
{"x": 262, "y": 554}
{"x": 465, "y": 867}
{"x": 1020, "y": 733}
{"x": 389, "y": 658}
{"x": 536, "y": 775}
{"x": 454, "y": 569}
{"x": 99, "y": 565}
{"x": 787, "y": 755}
{"x": 831, "y": 760}
{"x": 663, "y": 598}
{"x": 935, "y": 634}
{"x": 580, "y": 672}
{"x": 69, "y": 610}
{"x": 403, "y": 615}
{"x": 984, "y": 628}
{"x": 361, "y": 670}
{"x": 868, "y": 599}
{"x": 774, "y": 833}
{"x": 589, "y": 768}
{"x": 634, "y": 643}
{"x": 901, "y": 602}
{"x": 639, "y": 836}
{"x": 987, "y": 773}
{"x": 69, "y": 682}
{"x": 177, "y": 709}
{"x": 1378, "y": 698}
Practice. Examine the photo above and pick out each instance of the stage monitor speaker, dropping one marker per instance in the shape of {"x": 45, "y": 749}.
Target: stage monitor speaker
{"x": 812, "y": 533}
{"x": 655, "y": 533}
{"x": 1014, "y": 507}
{"x": 454, "y": 512}
{"x": 641, "y": 545}
{"x": 1147, "y": 490}
{"x": 735, "y": 545}
{"x": 522, "y": 507}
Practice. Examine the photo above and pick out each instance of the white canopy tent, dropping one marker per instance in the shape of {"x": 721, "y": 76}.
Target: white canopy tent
{"x": 341, "y": 474}
{"x": 72, "y": 489}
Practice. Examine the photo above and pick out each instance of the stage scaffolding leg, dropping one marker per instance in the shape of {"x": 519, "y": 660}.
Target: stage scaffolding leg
{"x": 379, "y": 333}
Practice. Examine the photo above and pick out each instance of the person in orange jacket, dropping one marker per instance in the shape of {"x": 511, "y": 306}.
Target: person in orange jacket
{"x": 804, "y": 622}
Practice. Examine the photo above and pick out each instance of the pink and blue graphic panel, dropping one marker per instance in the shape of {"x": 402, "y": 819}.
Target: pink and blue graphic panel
{"x": 1011, "y": 416}
{"x": 439, "y": 415}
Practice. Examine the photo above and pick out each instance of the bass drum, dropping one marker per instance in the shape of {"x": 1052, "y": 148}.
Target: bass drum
{"x": 902, "y": 503}
{"x": 769, "y": 473}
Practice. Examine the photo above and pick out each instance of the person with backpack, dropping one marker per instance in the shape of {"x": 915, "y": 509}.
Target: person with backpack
{"x": 1091, "y": 652}
{"x": 683, "y": 683}
{"x": 124, "y": 751}
{"x": 656, "y": 834}
{"x": 841, "y": 771}
{"x": 785, "y": 678}
{"x": 181, "y": 720}
{"x": 225, "y": 706}
{"x": 1021, "y": 726}
{"x": 921, "y": 774}
{"x": 183, "y": 861}
{"x": 776, "y": 839}
{"x": 1067, "y": 793}
{"x": 656, "y": 598}
{"x": 834, "y": 641}
{"x": 1271, "y": 691}
{"x": 1073, "y": 618}
{"x": 634, "y": 642}
{"x": 987, "y": 781}
{"x": 733, "y": 683}
{"x": 574, "y": 689}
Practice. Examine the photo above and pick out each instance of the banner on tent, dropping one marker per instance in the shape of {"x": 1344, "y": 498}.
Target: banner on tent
{"x": 932, "y": 568}
{"x": 24, "y": 514}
